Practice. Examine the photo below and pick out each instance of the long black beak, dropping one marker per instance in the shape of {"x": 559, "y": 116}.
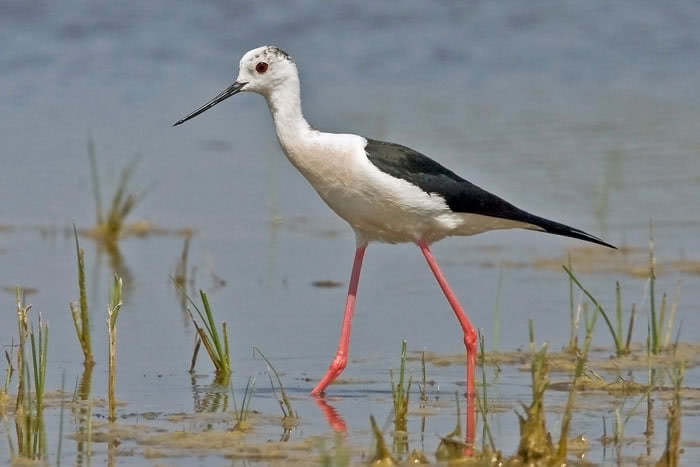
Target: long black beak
{"x": 235, "y": 88}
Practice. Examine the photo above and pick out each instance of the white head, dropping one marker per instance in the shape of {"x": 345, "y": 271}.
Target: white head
{"x": 266, "y": 68}
{"x": 262, "y": 70}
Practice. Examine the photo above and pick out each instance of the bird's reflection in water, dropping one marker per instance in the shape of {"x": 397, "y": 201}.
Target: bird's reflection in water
{"x": 336, "y": 422}
{"x": 333, "y": 418}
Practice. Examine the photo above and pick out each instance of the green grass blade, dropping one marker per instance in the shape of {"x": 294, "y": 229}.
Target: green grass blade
{"x": 598, "y": 306}
{"x": 227, "y": 355}
{"x": 35, "y": 364}
{"x": 572, "y": 311}
{"x": 285, "y": 399}
{"x": 212, "y": 326}
{"x": 95, "y": 180}
{"x": 84, "y": 331}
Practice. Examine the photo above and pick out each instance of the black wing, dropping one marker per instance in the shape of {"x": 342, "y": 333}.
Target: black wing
{"x": 459, "y": 194}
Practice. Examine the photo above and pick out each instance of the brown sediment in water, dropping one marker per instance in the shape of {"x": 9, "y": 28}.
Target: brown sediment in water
{"x": 230, "y": 444}
{"x": 141, "y": 228}
{"x": 349, "y": 381}
{"x": 633, "y": 261}
{"x": 158, "y": 441}
{"x": 56, "y": 399}
{"x": 596, "y": 383}
{"x": 138, "y": 228}
{"x": 601, "y": 359}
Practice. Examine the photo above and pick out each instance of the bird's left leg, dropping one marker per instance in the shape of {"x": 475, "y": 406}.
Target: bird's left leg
{"x": 341, "y": 357}
{"x": 469, "y": 336}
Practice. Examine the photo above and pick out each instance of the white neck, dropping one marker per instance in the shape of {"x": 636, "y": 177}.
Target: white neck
{"x": 285, "y": 105}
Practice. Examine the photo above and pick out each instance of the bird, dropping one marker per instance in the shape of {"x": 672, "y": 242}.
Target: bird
{"x": 386, "y": 192}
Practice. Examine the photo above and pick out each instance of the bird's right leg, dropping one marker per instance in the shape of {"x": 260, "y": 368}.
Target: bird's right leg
{"x": 469, "y": 336}
{"x": 341, "y": 357}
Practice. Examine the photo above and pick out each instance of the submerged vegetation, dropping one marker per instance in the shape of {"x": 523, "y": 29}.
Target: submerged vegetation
{"x": 215, "y": 344}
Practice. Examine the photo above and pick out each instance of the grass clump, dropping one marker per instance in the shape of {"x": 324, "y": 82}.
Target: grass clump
{"x": 578, "y": 373}
{"x": 339, "y": 456}
{"x": 115, "y": 305}
{"x": 672, "y": 451}
{"x": 110, "y": 225}
{"x": 536, "y": 446}
{"x": 400, "y": 392}
{"x": 290, "y": 418}
{"x": 29, "y": 421}
{"x": 382, "y": 455}
{"x": 79, "y": 310}
{"x": 535, "y": 441}
{"x": 451, "y": 446}
{"x": 660, "y": 324}
{"x": 215, "y": 344}
{"x": 621, "y": 345}
{"x": 661, "y": 319}
{"x": 244, "y": 411}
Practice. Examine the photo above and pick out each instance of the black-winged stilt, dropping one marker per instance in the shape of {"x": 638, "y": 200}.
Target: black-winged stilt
{"x": 386, "y": 192}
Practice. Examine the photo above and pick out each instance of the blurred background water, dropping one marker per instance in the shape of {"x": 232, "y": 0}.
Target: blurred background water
{"x": 583, "y": 112}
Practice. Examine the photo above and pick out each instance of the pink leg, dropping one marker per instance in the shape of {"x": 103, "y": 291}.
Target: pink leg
{"x": 469, "y": 337}
{"x": 341, "y": 357}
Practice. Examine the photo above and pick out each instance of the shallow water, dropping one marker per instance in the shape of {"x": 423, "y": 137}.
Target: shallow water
{"x": 586, "y": 114}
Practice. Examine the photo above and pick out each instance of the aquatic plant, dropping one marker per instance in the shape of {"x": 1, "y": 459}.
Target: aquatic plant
{"x": 109, "y": 226}
{"x": 616, "y": 333}
{"x": 195, "y": 352}
{"x": 79, "y": 310}
{"x": 661, "y": 326}
{"x": 482, "y": 400}
{"x": 180, "y": 279}
{"x": 216, "y": 345}
{"x": 581, "y": 359}
{"x": 423, "y": 384}
{"x": 288, "y": 413}
{"x": 115, "y": 305}
{"x": 400, "y": 392}
{"x": 29, "y": 421}
{"x": 535, "y": 445}
{"x": 9, "y": 372}
{"x": 243, "y": 412}
{"x": 672, "y": 450}
{"x": 59, "y": 448}
{"x": 496, "y": 333}
{"x": 181, "y": 268}
{"x": 382, "y": 455}
{"x": 338, "y": 456}
{"x": 451, "y": 446}
{"x": 572, "y": 346}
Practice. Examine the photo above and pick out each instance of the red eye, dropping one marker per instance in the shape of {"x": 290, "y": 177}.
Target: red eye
{"x": 261, "y": 67}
